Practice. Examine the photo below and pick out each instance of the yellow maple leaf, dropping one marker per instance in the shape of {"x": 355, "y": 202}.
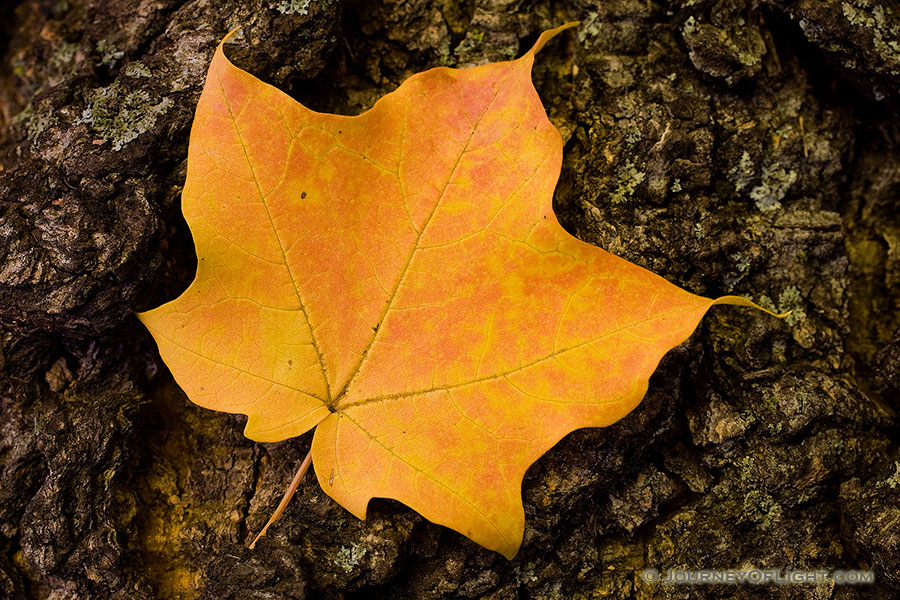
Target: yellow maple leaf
{"x": 398, "y": 280}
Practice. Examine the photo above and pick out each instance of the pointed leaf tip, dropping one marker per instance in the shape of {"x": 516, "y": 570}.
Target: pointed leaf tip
{"x": 741, "y": 301}
{"x": 549, "y": 35}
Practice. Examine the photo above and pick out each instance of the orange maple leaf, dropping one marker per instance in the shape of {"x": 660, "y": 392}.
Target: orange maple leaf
{"x": 398, "y": 280}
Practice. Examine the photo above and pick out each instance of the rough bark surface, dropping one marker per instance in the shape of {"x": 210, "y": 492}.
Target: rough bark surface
{"x": 733, "y": 146}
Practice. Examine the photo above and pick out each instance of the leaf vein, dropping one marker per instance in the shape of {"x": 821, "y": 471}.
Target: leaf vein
{"x": 237, "y": 130}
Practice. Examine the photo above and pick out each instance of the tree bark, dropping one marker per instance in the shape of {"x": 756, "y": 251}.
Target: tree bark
{"x": 732, "y": 146}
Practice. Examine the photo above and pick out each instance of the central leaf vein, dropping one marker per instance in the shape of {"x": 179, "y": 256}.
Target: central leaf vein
{"x": 390, "y": 303}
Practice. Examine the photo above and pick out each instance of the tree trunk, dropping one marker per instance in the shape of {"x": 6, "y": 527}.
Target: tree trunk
{"x": 732, "y": 146}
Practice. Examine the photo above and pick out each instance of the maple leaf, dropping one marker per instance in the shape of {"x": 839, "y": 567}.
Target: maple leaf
{"x": 398, "y": 280}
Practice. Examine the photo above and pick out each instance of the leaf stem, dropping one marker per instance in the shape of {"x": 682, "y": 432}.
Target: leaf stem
{"x": 286, "y": 499}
